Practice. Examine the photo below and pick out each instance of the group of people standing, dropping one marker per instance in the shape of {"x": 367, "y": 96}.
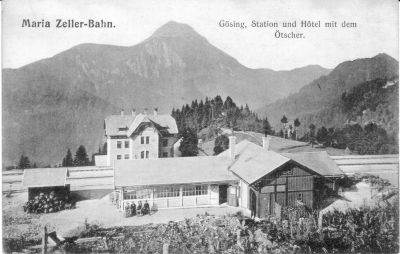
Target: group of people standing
{"x": 131, "y": 209}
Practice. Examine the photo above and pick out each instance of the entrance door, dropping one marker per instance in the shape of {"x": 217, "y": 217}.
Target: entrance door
{"x": 266, "y": 204}
{"x": 253, "y": 202}
{"x": 223, "y": 193}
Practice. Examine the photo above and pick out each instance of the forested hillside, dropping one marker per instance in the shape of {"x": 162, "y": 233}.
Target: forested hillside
{"x": 360, "y": 91}
{"x": 207, "y": 117}
{"x": 374, "y": 101}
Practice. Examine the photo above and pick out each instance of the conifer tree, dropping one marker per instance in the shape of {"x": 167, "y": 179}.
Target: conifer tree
{"x": 266, "y": 127}
{"x": 188, "y": 146}
{"x": 296, "y": 126}
{"x": 81, "y": 157}
{"x": 69, "y": 162}
{"x": 24, "y": 162}
{"x": 221, "y": 144}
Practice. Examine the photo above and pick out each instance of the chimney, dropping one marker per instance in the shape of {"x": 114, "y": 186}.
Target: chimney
{"x": 265, "y": 142}
{"x": 122, "y": 112}
{"x": 232, "y": 144}
{"x": 155, "y": 112}
{"x": 133, "y": 112}
{"x": 145, "y": 111}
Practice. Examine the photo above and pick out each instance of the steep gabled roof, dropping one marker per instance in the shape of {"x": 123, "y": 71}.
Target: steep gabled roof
{"x": 319, "y": 162}
{"x": 125, "y": 125}
{"x": 253, "y": 162}
{"x": 115, "y": 122}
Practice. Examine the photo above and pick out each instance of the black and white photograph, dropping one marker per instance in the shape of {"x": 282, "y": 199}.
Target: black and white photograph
{"x": 188, "y": 126}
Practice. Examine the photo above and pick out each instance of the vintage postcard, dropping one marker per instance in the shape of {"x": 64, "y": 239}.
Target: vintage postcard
{"x": 187, "y": 126}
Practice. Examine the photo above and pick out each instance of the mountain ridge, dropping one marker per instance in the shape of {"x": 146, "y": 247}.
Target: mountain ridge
{"x": 166, "y": 70}
{"x": 320, "y": 101}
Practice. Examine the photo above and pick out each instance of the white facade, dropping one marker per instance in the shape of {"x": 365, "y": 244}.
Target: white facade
{"x": 172, "y": 196}
{"x": 145, "y": 141}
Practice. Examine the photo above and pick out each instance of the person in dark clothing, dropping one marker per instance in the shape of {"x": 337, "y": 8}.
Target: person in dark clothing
{"x": 139, "y": 207}
{"x": 146, "y": 208}
{"x": 133, "y": 209}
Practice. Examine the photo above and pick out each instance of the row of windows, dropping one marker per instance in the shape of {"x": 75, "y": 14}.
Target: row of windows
{"x": 126, "y": 157}
{"x": 143, "y": 155}
{"x": 138, "y": 194}
{"x": 143, "y": 140}
{"x": 167, "y": 191}
{"x": 195, "y": 190}
{"x": 119, "y": 144}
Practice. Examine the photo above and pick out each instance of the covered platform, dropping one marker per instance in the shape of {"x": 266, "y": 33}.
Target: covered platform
{"x": 175, "y": 182}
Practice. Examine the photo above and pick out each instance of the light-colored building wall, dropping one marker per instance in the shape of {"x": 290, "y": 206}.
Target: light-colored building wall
{"x": 108, "y": 151}
{"x": 151, "y": 147}
{"x": 210, "y": 198}
{"x": 177, "y": 144}
{"x": 113, "y": 151}
{"x": 244, "y": 195}
{"x": 100, "y": 160}
{"x": 214, "y": 194}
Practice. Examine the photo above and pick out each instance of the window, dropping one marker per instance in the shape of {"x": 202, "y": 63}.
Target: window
{"x": 300, "y": 196}
{"x": 165, "y": 154}
{"x": 142, "y": 154}
{"x": 195, "y": 190}
{"x": 119, "y": 144}
{"x": 147, "y": 154}
{"x": 138, "y": 194}
{"x": 288, "y": 172}
{"x": 165, "y": 142}
{"x": 126, "y": 157}
{"x": 147, "y": 139}
{"x": 166, "y": 191}
{"x": 142, "y": 140}
{"x": 126, "y": 144}
{"x": 119, "y": 157}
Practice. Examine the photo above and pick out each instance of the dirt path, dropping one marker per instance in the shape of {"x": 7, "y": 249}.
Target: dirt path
{"x": 98, "y": 211}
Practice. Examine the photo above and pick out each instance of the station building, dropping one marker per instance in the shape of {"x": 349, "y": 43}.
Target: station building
{"x": 246, "y": 175}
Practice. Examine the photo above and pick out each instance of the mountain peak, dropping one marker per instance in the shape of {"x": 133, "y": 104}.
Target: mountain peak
{"x": 384, "y": 56}
{"x": 175, "y": 29}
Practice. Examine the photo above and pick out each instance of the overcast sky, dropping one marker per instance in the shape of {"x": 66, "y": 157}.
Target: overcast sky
{"x": 377, "y": 29}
